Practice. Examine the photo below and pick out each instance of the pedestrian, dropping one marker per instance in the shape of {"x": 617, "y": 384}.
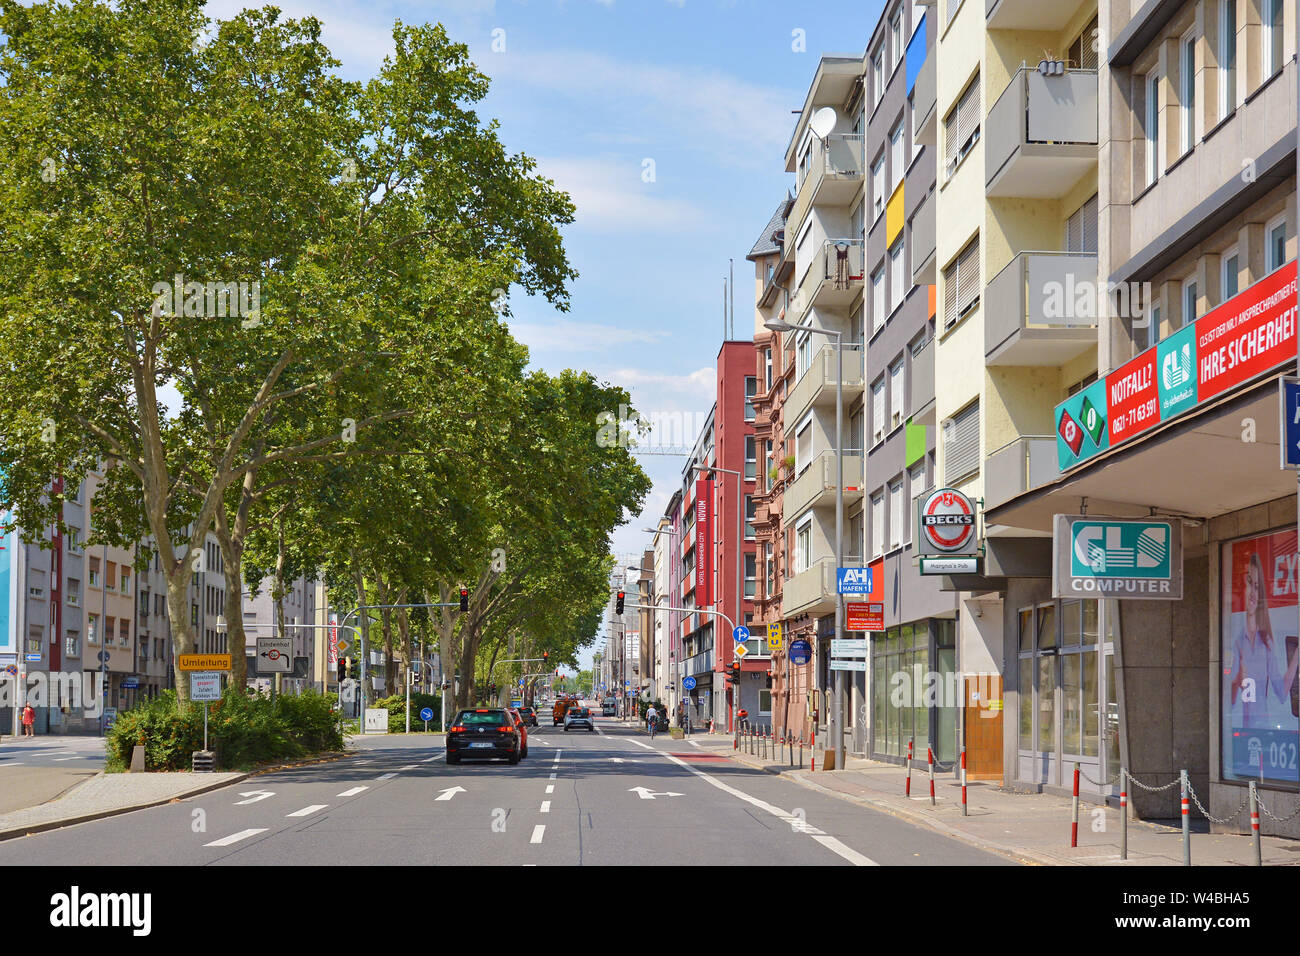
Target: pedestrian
{"x": 29, "y": 721}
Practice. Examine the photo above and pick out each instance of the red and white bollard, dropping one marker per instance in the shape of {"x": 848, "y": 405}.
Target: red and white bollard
{"x": 963, "y": 782}
{"x": 908, "y": 791}
{"x": 929, "y": 756}
{"x": 1123, "y": 814}
{"x": 1074, "y": 824}
{"x": 812, "y": 746}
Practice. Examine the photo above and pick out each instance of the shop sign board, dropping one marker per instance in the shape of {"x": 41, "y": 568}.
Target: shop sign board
{"x": 1117, "y": 558}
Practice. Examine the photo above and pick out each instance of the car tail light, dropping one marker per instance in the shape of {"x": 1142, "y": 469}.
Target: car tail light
{"x": 509, "y": 728}
{"x": 458, "y": 729}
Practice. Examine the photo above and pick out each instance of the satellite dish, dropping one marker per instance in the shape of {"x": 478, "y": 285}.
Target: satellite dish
{"x": 823, "y": 122}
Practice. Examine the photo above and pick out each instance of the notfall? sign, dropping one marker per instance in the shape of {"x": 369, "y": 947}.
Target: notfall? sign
{"x": 1134, "y": 559}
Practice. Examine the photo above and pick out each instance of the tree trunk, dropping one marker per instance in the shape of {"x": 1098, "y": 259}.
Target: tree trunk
{"x": 277, "y": 591}
{"x": 232, "y": 560}
{"x": 363, "y": 653}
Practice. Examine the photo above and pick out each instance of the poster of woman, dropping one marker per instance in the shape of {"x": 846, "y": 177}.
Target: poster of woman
{"x": 1260, "y": 695}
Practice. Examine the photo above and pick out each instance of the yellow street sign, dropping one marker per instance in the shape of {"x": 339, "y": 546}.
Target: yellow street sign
{"x": 204, "y": 662}
{"x": 741, "y": 650}
{"x": 344, "y": 647}
{"x": 774, "y": 637}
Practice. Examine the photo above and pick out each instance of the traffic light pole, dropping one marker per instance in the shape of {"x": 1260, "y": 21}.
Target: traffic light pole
{"x": 696, "y": 610}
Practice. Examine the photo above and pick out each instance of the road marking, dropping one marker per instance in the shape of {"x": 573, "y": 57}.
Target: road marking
{"x": 307, "y": 811}
{"x": 386, "y": 776}
{"x": 639, "y": 744}
{"x": 551, "y": 777}
{"x": 254, "y": 796}
{"x": 410, "y": 766}
{"x": 832, "y": 844}
{"x": 645, "y": 793}
{"x": 537, "y": 833}
{"x": 362, "y": 763}
{"x": 3, "y": 765}
{"x": 546, "y": 806}
{"x": 236, "y": 837}
{"x": 353, "y": 792}
{"x": 550, "y": 788}
{"x": 450, "y": 792}
{"x": 61, "y": 759}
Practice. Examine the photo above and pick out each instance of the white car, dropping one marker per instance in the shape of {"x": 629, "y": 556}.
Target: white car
{"x": 579, "y": 717}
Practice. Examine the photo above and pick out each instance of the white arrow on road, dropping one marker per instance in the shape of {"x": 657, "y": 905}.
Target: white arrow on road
{"x": 645, "y": 793}
{"x": 450, "y": 792}
{"x": 255, "y": 795}
{"x": 621, "y": 760}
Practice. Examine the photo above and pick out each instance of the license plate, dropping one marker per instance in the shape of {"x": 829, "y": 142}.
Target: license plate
{"x": 482, "y": 745}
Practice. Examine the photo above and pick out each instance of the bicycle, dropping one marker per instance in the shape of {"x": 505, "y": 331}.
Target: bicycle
{"x": 653, "y": 723}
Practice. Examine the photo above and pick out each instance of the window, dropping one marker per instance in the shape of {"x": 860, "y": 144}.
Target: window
{"x": 94, "y": 572}
{"x": 110, "y": 576}
{"x": 877, "y": 524}
{"x": 35, "y": 639}
{"x": 961, "y": 291}
{"x": 36, "y": 585}
{"x": 803, "y": 546}
{"x": 126, "y": 580}
{"x": 1153, "y": 331}
{"x": 1187, "y": 81}
{"x": 911, "y": 112}
{"x": 72, "y": 643}
{"x": 896, "y": 513}
{"x": 1231, "y": 263}
{"x": 1227, "y": 57}
{"x": 962, "y": 127}
{"x": 767, "y": 365}
{"x": 751, "y": 386}
{"x": 1081, "y": 228}
{"x": 749, "y": 516}
{"x": 1155, "y": 148}
{"x": 74, "y": 592}
{"x": 897, "y": 281}
{"x": 878, "y": 310}
{"x": 896, "y": 394}
{"x": 1082, "y": 54}
{"x": 1189, "y": 300}
{"x": 1275, "y": 255}
{"x": 1272, "y": 34}
{"x": 878, "y": 412}
{"x": 803, "y": 353}
{"x": 1081, "y": 384}
{"x": 878, "y": 76}
{"x": 878, "y": 186}
{"x": 751, "y": 575}
{"x": 124, "y": 631}
{"x": 961, "y": 444}
{"x": 896, "y": 164}
{"x": 896, "y": 37}
{"x": 751, "y": 457}
{"x": 92, "y": 629}
{"x": 803, "y": 446}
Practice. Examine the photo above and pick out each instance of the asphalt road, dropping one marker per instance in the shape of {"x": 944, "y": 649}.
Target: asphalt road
{"x": 36, "y": 769}
{"x": 612, "y": 797}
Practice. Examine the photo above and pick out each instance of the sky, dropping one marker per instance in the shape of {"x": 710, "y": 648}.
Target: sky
{"x": 667, "y": 123}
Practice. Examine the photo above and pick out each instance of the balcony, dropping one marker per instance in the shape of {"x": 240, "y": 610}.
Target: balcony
{"x": 1041, "y": 135}
{"x": 834, "y": 172}
{"x": 817, "y": 385}
{"x": 1019, "y": 466}
{"x": 924, "y": 101}
{"x": 811, "y": 591}
{"x": 923, "y": 385}
{"x": 816, "y": 486}
{"x": 833, "y": 280}
{"x": 1030, "y": 14}
{"x": 1031, "y": 312}
{"x": 924, "y": 224}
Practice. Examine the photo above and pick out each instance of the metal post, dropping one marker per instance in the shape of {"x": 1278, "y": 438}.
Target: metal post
{"x": 908, "y": 791}
{"x": 1187, "y": 832}
{"x": 1074, "y": 806}
{"x": 408, "y": 697}
{"x": 1254, "y": 824}
{"x": 838, "y": 731}
{"x": 929, "y": 755}
{"x": 964, "y": 812}
{"x": 205, "y": 725}
{"x": 1123, "y": 813}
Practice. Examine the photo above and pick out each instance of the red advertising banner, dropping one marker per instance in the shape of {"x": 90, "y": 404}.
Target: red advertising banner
{"x": 334, "y": 642}
{"x": 703, "y": 543}
{"x": 864, "y": 617}
{"x": 1133, "y": 397}
{"x": 1247, "y": 335}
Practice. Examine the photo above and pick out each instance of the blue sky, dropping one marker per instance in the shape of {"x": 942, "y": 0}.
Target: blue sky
{"x": 593, "y": 89}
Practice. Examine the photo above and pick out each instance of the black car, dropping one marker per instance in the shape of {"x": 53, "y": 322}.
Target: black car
{"x": 529, "y": 715}
{"x": 483, "y": 732}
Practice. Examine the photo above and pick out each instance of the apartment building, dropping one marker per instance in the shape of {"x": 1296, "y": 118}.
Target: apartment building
{"x": 663, "y": 546}
{"x": 302, "y": 605}
{"x": 1197, "y": 221}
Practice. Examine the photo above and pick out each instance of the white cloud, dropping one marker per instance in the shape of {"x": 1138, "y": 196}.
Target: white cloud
{"x": 610, "y": 196}
{"x": 700, "y": 384}
{"x": 568, "y": 336}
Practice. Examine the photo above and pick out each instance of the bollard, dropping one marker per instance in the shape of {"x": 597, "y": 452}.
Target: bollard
{"x": 1123, "y": 813}
{"x": 1254, "y": 824}
{"x": 929, "y": 756}
{"x": 1074, "y": 800}
{"x": 812, "y": 756}
{"x": 908, "y": 792}
{"x": 1187, "y": 820}
{"x": 963, "y": 782}
{"x": 800, "y": 751}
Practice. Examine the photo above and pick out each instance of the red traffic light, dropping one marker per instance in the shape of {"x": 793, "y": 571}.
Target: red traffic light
{"x": 464, "y": 599}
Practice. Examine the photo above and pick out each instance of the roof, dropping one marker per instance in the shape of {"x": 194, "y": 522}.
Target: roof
{"x": 765, "y": 244}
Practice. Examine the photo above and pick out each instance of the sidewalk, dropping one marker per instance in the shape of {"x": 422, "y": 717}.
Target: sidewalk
{"x": 1030, "y": 827}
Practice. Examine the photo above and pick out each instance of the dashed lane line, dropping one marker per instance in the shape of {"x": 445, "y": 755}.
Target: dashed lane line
{"x": 307, "y": 811}
{"x": 386, "y": 776}
{"x": 236, "y": 837}
{"x": 353, "y": 792}
{"x": 546, "y": 806}
{"x": 537, "y": 833}
{"x": 550, "y": 788}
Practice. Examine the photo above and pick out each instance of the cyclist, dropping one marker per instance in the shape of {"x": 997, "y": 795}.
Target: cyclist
{"x": 652, "y": 718}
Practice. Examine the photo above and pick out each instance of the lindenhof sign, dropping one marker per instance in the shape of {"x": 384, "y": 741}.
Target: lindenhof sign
{"x": 1117, "y": 558}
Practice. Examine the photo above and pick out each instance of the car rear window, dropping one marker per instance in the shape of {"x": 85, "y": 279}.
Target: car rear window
{"x": 480, "y": 717}
{"x": 580, "y": 712}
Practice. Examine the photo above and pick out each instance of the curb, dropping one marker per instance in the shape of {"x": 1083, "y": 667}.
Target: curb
{"x": 28, "y": 829}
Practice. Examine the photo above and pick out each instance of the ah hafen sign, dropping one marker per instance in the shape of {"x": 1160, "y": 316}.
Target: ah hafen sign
{"x": 1249, "y": 335}
{"x": 1117, "y": 558}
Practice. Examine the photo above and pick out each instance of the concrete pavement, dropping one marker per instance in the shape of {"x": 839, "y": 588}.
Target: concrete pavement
{"x": 34, "y": 770}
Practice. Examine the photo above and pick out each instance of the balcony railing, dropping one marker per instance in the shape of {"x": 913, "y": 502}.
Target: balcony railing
{"x": 924, "y": 225}
{"x": 816, "y": 485}
{"x": 1019, "y": 466}
{"x": 811, "y": 590}
{"x": 1032, "y": 310}
{"x": 835, "y": 168}
{"x": 1041, "y": 135}
{"x": 924, "y": 100}
{"x": 834, "y": 277}
{"x": 923, "y": 384}
{"x": 817, "y": 385}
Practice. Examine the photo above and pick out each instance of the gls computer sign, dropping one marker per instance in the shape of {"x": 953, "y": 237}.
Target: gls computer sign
{"x": 945, "y": 521}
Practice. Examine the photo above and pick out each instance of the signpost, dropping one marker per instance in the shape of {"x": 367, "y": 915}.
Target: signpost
{"x": 853, "y": 580}
{"x": 688, "y": 682}
{"x": 945, "y": 522}
{"x": 849, "y": 647}
{"x": 865, "y": 617}
{"x": 950, "y": 565}
{"x": 1117, "y": 558}
{"x": 1289, "y": 397}
{"x": 426, "y": 715}
{"x": 205, "y": 686}
{"x": 800, "y": 652}
{"x": 274, "y": 655}
{"x": 740, "y": 634}
{"x": 203, "y": 662}
{"x": 848, "y": 665}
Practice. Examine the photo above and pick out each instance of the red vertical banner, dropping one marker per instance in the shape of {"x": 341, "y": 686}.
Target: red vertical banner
{"x": 334, "y": 642}
{"x": 703, "y": 543}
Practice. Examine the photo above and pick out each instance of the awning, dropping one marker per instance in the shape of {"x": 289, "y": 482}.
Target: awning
{"x": 1198, "y": 466}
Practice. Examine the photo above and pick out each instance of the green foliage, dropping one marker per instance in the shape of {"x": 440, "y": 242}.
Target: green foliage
{"x": 396, "y": 707}
{"x": 245, "y": 730}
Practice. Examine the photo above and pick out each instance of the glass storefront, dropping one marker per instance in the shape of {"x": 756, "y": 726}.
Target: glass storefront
{"x": 914, "y": 689}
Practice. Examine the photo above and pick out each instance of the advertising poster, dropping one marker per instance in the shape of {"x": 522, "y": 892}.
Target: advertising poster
{"x": 1260, "y": 702}
{"x": 703, "y": 543}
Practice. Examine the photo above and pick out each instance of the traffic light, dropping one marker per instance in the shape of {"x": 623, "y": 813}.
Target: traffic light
{"x": 618, "y": 603}
{"x": 464, "y": 600}
{"x": 733, "y": 672}
{"x": 546, "y": 655}
{"x": 343, "y": 669}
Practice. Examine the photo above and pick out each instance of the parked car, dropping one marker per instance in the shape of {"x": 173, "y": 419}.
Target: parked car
{"x": 529, "y": 715}
{"x": 579, "y": 717}
{"x": 485, "y": 732}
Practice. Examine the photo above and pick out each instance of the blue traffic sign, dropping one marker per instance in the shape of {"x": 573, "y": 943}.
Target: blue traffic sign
{"x": 1290, "y": 422}
{"x": 800, "y": 652}
{"x": 130, "y": 683}
{"x": 688, "y": 683}
{"x": 853, "y": 580}
{"x": 426, "y": 713}
{"x": 740, "y": 635}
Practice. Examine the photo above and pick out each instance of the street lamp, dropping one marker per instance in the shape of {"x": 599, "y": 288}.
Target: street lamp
{"x": 837, "y": 714}
{"x": 740, "y": 556}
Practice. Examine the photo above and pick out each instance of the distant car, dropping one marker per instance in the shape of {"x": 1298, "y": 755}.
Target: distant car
{"x": 484, "y": 732}
{"x": 579, "y": 717}
{"x": 529, "y": 715}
